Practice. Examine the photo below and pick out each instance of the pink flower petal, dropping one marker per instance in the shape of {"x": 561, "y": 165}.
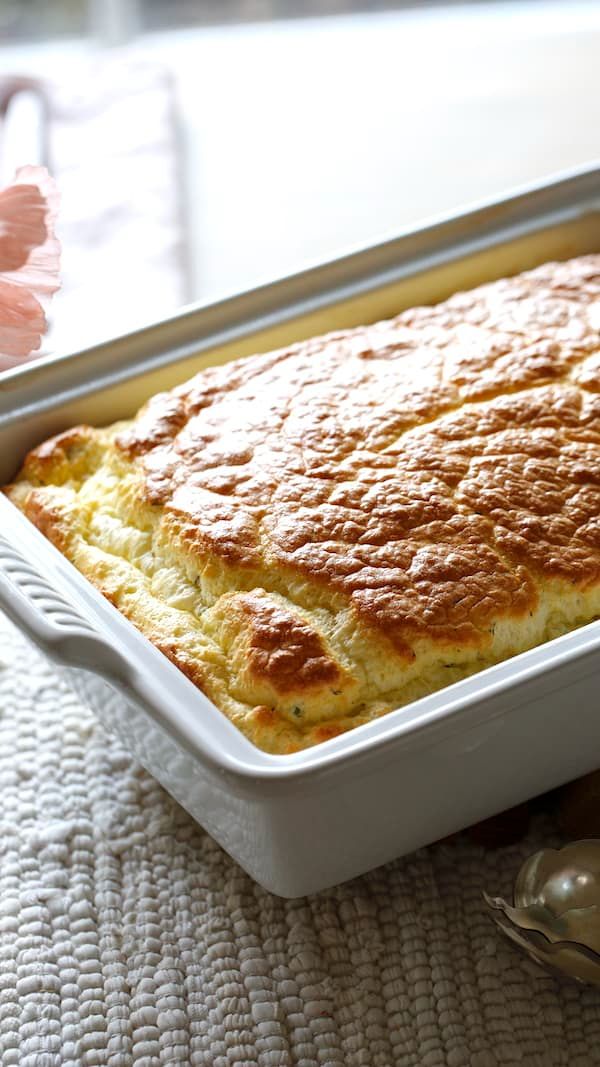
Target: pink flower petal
{"x": 29, "y": 261}
{"x": 22, "y": 224}
{"x": 22, "y": 321}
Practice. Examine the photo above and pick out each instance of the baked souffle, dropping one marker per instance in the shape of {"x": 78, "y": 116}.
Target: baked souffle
{"x": 318, "y": 535}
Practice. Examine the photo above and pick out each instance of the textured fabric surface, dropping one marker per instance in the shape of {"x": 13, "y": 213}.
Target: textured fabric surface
{"x": 128, "y": 937}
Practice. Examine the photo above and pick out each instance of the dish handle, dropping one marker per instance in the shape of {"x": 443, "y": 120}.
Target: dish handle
{"x": 51, "y": 621}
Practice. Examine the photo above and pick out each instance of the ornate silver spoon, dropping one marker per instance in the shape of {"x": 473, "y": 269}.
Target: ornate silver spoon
{"x": 556, "y": 912}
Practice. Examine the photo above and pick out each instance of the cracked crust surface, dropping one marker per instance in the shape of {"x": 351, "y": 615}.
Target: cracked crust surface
{"x": 323, "y": 533}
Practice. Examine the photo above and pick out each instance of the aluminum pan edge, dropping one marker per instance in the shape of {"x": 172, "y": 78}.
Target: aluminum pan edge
{"x": 172, "y": 700}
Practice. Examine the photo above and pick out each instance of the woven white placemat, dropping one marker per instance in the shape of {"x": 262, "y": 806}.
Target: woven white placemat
{"x": 128, "y": 937}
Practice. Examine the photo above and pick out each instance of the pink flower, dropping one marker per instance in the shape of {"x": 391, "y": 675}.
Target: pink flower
{"x": 29, "y": 262}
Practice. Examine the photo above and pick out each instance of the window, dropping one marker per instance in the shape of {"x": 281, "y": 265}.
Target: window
{"x": 26, "y": 20}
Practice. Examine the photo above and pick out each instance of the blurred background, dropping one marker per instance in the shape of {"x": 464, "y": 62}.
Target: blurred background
{"x": 203, "y": 146}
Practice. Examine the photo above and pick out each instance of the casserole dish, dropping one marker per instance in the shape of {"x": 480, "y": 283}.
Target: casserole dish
{"x": 301, "y": 822}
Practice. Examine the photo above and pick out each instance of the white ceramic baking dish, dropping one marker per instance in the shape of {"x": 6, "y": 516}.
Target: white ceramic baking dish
{"x": 302, "y": 822}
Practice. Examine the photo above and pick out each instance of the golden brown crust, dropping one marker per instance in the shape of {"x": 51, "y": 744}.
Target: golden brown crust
{"x": 63, "y": 458}
{"x": 414, "y": 527}
{"x": 277, "y": 657}
{"x": 281, "y": 649}
{"x": 50, "y": 520}
{"x": 357, "y": 519}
